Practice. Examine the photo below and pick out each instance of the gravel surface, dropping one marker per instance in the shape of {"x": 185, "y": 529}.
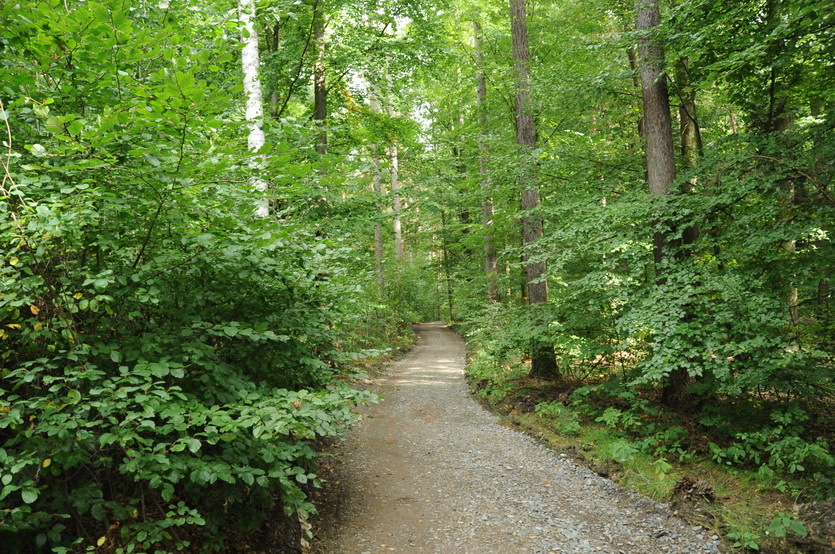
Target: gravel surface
{"x": 429, "y": 470}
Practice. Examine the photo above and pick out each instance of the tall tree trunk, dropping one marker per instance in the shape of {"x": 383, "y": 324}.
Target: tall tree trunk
{"x": 824, "y": 288}
{"x": 320, "y": 91}
{"x": 464, "y": 215}
{"x": 395, "y": 201}
{"x": 543, "y": 360}
{"x": 446, "y": 263}
{"x": 458, "y": 151}
{"x": 274, "y": 102}
{"x": 779, "y": 120}
{"x": 395, "y": 179}
{"x": 795, "y": 196}
{"x": 658, "y": 126}
{"x": 378, "y": 225}
{"x": 251, "y": 64}
{"x": 690, "y": 134}
{"x": 490, "y": 257}
{"x": 273, "y": 48}
{"x": 632, "y": 54}
{"x": 660, "y": 152}
{"x": 377, "y": 185}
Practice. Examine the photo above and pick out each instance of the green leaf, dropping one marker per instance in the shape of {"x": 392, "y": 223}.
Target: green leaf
{"x": 41, "y": 110}
{"x": 75, "y": 127}
{"x": 7, "y": 490}
{"x": 97, "y": 511}
{"x": 159, "y": 370}
{"x": 29, "y": 495}
{"x": 798, "y": 527}
{"x": 74, "y": 396}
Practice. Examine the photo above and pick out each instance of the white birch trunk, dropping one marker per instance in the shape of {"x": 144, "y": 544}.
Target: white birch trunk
{"x": 251, "y": 63}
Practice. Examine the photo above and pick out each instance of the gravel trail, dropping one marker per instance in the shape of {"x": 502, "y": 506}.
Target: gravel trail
{"x": 429, "y": 470}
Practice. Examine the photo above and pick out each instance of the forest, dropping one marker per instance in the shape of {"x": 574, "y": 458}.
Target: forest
{"x": 215, "y": 216}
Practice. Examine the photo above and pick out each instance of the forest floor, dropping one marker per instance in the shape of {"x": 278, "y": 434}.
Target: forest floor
{"x": 429, "y": 470}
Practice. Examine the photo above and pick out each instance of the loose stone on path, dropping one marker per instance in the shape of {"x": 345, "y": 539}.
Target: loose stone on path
{"x": 429, "y": 470}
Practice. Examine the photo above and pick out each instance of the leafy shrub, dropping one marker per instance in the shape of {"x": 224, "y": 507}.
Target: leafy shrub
{"x": 167, "y": 357}
{"x": 136, "y": 401}
{"x": 563, "y": 418}
{"x": 124, "y": 450}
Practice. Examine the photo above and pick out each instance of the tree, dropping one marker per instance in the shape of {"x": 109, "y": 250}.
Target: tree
{"x": 320, "y": 91}
{"x": 658, "y": 127}
{"x": 660, "y": 152}
{"x": 490, "y": 257}
{"x": 377, "y": 187}
{"x": 543, "y": 360}
{"x": 394, "y": 175}
{"x": 131, "y": 261}
{"x": 251, "y": 62}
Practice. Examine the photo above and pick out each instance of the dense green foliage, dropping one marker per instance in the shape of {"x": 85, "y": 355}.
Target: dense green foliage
{"x": 741, "y": 301}
{"x": 168, "y": 356}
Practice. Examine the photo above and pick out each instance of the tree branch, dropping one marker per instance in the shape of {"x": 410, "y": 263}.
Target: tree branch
{"x": 295, "y": 79}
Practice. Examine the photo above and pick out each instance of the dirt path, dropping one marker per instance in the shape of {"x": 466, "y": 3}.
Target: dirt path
{"x": 431, "y": 471}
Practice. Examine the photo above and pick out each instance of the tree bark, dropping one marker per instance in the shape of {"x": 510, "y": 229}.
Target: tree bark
{"x": 779, "y": 120}
{"x": 487, "y": 212}
{"x": 276, "y": 31}
{"x": 377, "y": 185}
{"x": 320, "y": 91}
{"x": 543, "y": 361}
{"x": 632, "y": 55}
{"x": 378, "y": 225}
{"x": 395, "y": 201}
{"x": 445, "y": 261}
{"x": 660, "y": 152}
{"x": 824, "y": 288}
{"x": 690, "y": 134}
{"x": 251, "y": 64}
{"x": 395, "y": 180}
{"x": 658, "y": 127}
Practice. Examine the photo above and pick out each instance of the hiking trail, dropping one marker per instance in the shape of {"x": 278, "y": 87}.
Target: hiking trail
{"x": 429, "y": 470}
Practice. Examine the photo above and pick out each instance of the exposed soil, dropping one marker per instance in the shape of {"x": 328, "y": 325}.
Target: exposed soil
{"x": 429, "y": 470}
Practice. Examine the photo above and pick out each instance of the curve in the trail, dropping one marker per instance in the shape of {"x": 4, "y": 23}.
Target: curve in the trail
{"x": 429, "y": 470}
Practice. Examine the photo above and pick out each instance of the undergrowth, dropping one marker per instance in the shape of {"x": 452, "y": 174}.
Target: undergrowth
{"x": 743, "y": 485}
